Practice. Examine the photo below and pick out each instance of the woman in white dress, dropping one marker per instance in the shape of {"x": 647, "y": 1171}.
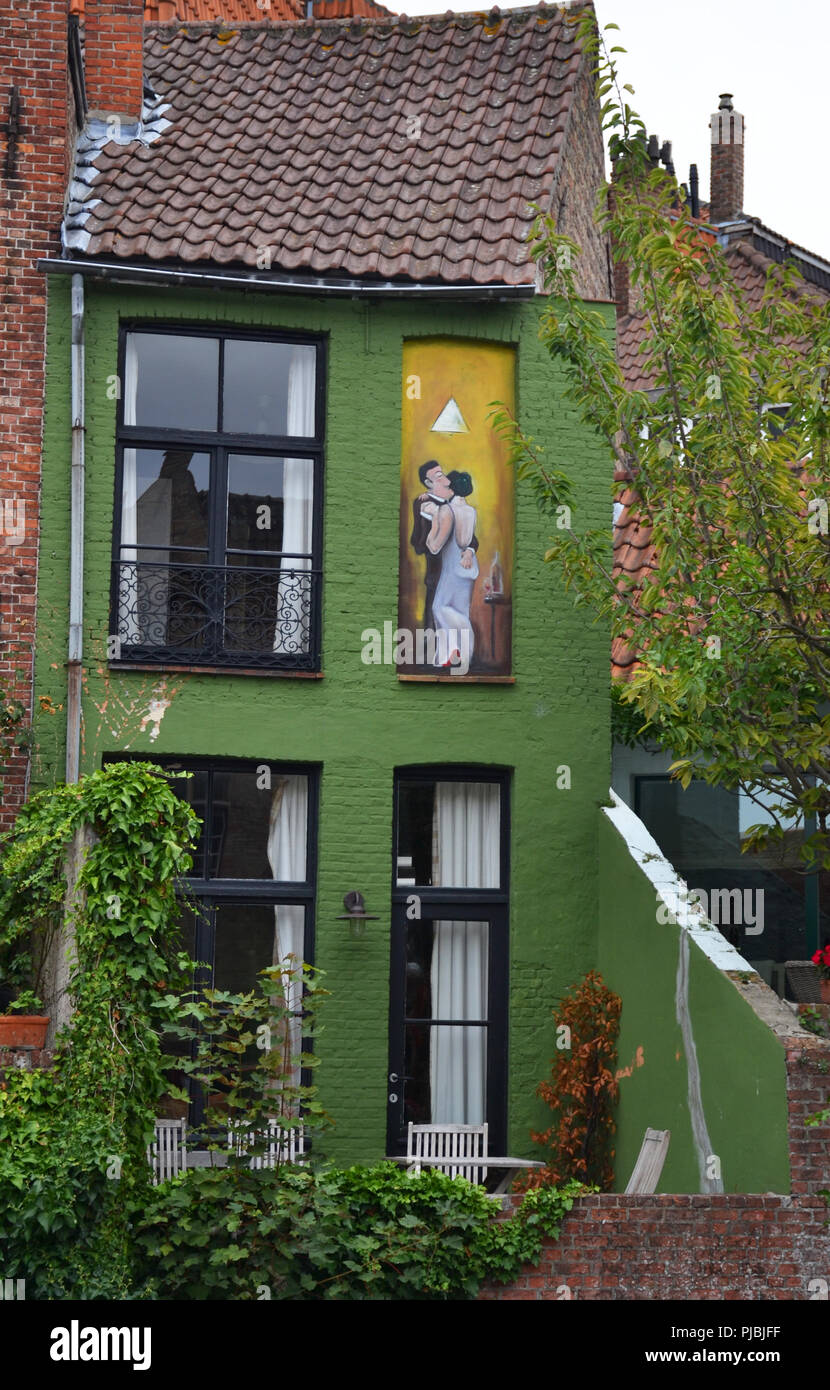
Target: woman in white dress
{"x": 450, "y": 535}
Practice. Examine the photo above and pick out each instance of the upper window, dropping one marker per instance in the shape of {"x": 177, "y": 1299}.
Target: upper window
{"x": 217, "y": 538}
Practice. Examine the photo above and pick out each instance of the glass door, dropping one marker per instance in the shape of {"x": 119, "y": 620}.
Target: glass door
{"x": 447, "y": 1062}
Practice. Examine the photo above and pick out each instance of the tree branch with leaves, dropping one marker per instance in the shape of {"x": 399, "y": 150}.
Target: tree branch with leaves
{"x": 730, "y": 622}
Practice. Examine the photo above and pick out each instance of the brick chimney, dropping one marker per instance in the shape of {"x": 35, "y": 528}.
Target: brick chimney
{"x": 113, "y": 32}
{"x": 726, "y": 189}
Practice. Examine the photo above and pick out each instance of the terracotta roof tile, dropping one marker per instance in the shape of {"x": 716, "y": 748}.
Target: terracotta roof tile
{"x": 299, "y": 131}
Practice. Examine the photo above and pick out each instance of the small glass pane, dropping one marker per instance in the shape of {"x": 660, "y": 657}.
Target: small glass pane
{"x": 449, "y": 834}
{"x": 446, "y": 970}
{"x": 269, "y": 388}
{"x": 165, "y": 592}
{"x": 193, "y": 790}
{"x": 270, "y": 508}
{"x": 171, "y": 381}
{"x": 446, "y": 1074}
{"x": 245, "y": 944}
{"x": 259, "y": 823}
{"x": 168, "y": 1107}
{"x": 164, "y": 509}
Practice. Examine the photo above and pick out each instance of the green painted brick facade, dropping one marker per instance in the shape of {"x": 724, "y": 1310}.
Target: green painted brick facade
{"x": 359, "y": 722}
{"x": 743, "y": 1074}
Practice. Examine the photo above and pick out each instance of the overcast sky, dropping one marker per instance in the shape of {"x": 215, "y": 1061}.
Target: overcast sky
{"x": 773, "y": 57}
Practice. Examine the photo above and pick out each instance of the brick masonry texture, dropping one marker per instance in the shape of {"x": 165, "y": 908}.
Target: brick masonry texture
{"x": 33, "y": 59}
{"x": 25, "y": 1059}
{"x": 722, "y": 1247}
{"x": 113, "y": 58}
{"x": 246, "y": 11}
{"x": 727, "y": 176}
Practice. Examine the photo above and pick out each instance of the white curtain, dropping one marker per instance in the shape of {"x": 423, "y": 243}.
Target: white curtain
{"x": 466, "y": 844}
{"x": 287, "y": 858}
{"x": 145, "y": 521}
{"x": 128, "y": 626}
{"x": 293, "y": 625}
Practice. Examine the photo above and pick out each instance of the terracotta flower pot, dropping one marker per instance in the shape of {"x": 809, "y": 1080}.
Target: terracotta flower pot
{"x": 23, "y": 1030}
{"x": 824, "y": 986}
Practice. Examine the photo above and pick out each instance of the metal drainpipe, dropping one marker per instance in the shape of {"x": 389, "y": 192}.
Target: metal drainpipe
{"x": 76, "y": 552}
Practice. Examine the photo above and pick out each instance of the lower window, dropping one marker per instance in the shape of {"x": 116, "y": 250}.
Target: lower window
{"x": 252, "y": 882}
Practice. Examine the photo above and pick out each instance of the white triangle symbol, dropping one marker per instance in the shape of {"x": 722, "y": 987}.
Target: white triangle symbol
{"x": 450, "y": 421}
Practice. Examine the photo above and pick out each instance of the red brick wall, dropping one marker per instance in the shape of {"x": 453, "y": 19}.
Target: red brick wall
{"x": 712, "y": 1247}
{"x": 27, "y": 1059}
{"x": 581, "y": 174}
{"x": 113, "y": 57}
{"x": 33, "y": 47}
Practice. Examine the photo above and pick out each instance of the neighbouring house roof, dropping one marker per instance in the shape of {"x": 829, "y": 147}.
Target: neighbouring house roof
{"x": 246, "y": 11}
{"x": 751, "y": 251}
{"x": 394, "y": 148}
{"x": 750, "y": 258}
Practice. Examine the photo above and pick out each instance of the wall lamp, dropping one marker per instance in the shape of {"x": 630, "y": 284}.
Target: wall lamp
{"x": 356, "y": 914}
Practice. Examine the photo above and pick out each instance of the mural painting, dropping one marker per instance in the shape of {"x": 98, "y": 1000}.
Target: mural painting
{"x": 457, "y": 505}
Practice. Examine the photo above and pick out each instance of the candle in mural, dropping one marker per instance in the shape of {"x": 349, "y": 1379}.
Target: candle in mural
{"x": 456, "y": 526}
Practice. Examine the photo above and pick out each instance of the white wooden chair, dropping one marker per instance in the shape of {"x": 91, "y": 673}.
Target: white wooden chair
{"x": 646, "y": 1173}
{"x": 167, "y": 1155}
{"x": 458, "y": 1144}
{"x": 281, "y": 1145}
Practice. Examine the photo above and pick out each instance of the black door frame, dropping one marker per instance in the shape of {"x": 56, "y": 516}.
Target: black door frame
{"x": 490, "y": 905}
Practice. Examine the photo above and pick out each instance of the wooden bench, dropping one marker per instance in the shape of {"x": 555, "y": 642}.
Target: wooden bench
{"x": 646, "y": 1172}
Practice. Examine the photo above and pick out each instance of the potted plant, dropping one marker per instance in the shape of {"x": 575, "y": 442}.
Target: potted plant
{"x": 25, "y": 1024}
{"x": 822, "y": 960}
{"x": 22, "y": 1020}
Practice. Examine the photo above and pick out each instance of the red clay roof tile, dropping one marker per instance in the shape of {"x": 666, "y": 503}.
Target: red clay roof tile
{"x": 299, "y": 136}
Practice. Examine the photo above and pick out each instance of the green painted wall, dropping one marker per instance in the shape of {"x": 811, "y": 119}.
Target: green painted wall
{"x": 359, "y": 721}
{"x": 742, "y": 1064}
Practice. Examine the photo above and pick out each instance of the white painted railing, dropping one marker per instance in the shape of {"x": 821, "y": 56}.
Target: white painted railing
{"x": 167, "y": 1155}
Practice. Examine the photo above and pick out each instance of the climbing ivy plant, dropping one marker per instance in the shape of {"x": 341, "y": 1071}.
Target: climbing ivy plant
{"x": 73, "y": 1139}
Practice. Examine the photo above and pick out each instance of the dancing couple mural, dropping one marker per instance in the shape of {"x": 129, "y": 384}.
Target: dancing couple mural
{"x": 456, "y": 533}
{"x": 444, "y": 530}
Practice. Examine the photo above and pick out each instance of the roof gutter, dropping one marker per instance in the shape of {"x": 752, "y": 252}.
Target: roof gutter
{"x": 726, "y": 231}
{"x": 126, "y": 274}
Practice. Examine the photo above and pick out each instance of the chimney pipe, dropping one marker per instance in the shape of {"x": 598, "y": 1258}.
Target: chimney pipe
{"x": 113, "y": 60}
{"x": 621, "y": 275}
{"x": 694, "y": 191}
{"x": 726, "y": 191}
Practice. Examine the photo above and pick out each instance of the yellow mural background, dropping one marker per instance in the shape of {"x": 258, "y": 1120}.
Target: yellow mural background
{"x": 473, "y": 374}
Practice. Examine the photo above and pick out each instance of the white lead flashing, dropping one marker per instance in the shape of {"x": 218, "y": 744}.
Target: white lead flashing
{"x": 671, "y": 888}
{"x": 97, "y": 133}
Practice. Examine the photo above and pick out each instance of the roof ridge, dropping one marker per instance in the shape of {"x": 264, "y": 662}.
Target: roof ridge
{"x": 471, "y": 18}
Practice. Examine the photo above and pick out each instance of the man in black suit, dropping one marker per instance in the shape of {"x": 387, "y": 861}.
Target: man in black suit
{"x": 438, "y": 494}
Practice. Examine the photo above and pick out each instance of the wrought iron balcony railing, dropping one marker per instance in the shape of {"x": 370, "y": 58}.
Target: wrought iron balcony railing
{"x": 214, "y": 615}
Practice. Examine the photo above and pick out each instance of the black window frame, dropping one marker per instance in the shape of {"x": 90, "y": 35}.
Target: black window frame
{"x": 219, "y": 444}
{"x": 492, "y": 905}
{"x": 206, "y": 896}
